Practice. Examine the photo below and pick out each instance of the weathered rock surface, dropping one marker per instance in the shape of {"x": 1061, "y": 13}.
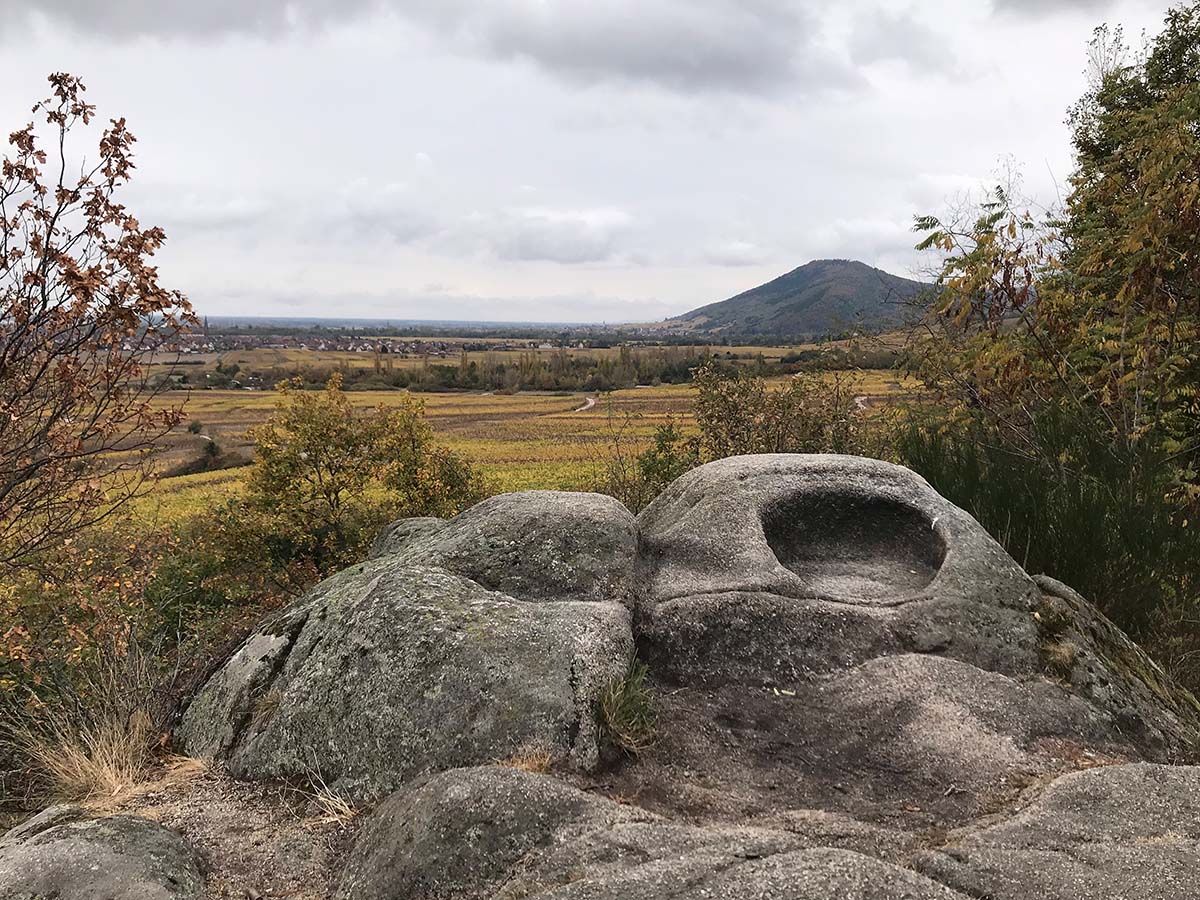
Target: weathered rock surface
{"x": 386, "y": 671}
{"x": 850, "y": 558}
{"x": 908, "y": 741}
{"x": 62, "y": 855}
{"x": 500, "y": 833}
{"x": 1129, "y": 832}
{"x": 533, "y": 545}
{"x": 857, "y": 690}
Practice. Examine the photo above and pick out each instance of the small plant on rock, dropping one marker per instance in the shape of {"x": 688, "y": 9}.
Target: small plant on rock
{"x": 627, "y": 712}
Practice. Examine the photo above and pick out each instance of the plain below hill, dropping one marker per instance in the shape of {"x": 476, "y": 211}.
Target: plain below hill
{"x": 823, "y": 297}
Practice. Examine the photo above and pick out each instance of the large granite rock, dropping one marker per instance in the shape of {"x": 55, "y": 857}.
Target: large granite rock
{"x": 853, "y": 682}
{"x": 1114, "y": 833}
{"x": 65, "y": 855}
{"x": 532, "y": 545}
{"x": 787, "y": 569}
{"x": 773, "y": 568}
{"x": 386, "y": 671}
{"x": 1129, "y": 832}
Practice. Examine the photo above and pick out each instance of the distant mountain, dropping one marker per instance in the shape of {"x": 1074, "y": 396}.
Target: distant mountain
{"x": 826, "y": 296}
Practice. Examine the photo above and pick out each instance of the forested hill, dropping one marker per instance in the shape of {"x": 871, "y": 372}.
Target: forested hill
{"x": 825, "y": 296}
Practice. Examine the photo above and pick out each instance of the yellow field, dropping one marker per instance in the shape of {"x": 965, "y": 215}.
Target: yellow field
{"x": 520, "y": 441}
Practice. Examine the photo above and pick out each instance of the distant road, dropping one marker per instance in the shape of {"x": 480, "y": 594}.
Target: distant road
{"x": 587, "y": 404}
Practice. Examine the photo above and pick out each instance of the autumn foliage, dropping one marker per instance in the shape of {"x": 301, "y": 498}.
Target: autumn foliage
{"x": 81, "y": 314}
{"x": 1063, "y": 350}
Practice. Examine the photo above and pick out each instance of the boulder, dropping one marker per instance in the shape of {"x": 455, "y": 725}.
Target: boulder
{"x": 831, "y": 560}
{"x": 784, "y": 569}
{"x": 1130, "y": 832}
{"x": 403, "y": 532}
{"x": 62, "y": 855}
{"x": 386, "y": 671}
{"x": 532, "y": 545}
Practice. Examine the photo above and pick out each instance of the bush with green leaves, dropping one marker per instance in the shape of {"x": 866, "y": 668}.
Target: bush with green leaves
{"x": 327, "y": 476}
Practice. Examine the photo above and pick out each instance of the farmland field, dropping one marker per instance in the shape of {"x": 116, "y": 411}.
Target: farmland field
{"x": 520, "y": 441}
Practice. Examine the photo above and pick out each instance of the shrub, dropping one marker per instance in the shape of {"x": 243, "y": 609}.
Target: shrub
{"x": 87, "y": 697}
{"x": 327, "y": 477}
{"x": 1103, "y": 522}
{"x": 736, "y": 413}
{"x": 740, "y": 413}
{"x": 636, "y": 474}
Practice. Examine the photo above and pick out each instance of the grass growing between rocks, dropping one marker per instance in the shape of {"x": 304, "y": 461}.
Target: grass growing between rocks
{"x": 327, "y": 805}
{"x": 535, "y": 760}
{"x": 628, "y": 713}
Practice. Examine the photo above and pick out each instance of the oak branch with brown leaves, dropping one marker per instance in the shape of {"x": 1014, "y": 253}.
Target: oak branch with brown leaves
{"x": 82, "y": 314}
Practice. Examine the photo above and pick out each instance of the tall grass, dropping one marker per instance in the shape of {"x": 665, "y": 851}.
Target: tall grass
{"x": 99, "y": 732}
{"x": 1100, "y": 518}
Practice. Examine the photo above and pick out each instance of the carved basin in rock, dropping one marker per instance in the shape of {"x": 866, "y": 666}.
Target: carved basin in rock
{"x": 853, "y": 547}
{"x": 818, "y": 526}
{"x": 775, "y": 568}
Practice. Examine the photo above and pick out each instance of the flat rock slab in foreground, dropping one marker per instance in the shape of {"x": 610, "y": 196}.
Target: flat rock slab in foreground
{"x": 63, "y": 855}
{"x": 1127, "y": 832}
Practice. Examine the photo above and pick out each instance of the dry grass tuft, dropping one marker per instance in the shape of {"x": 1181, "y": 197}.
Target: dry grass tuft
{"x": 537, "y": 760}
{"x": 93, "y": 762}
{"x": 266, "y": 706}
{"x": 1058, "y": 657}
{"x": 101, "y": 733}
{"x": 329, "y": 807}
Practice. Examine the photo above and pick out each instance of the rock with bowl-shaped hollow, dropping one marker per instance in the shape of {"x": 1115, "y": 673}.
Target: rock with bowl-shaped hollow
{"x": 790, "y": 540}
{"x": 783, "y": 569}
{"x": 853, "y": 691}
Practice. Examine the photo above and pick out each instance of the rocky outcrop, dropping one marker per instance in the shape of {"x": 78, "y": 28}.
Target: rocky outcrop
{"x": 1127, "y": 832}
{"x": 546, "y": 546}
{"x": 64, "y": 854}
{"x": 387, "y": 671}
{"x": 858, "y": 694}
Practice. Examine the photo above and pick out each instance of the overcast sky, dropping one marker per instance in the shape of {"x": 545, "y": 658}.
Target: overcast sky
{"x": 552, "y": 160}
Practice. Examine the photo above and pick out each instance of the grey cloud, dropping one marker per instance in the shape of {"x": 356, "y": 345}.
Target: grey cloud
{"x": 367, "y": 211}
{"x": 738, "y": 45}
{"x": 754, "y": 46}
{"x": 1049, "y": 7}
{"x": 192, "y": 212}
{"x": 562, "y": 236}
{"x": 882, "y": 35}
{"x": 184, "y": 18}
{"x": 535, "y": 234}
